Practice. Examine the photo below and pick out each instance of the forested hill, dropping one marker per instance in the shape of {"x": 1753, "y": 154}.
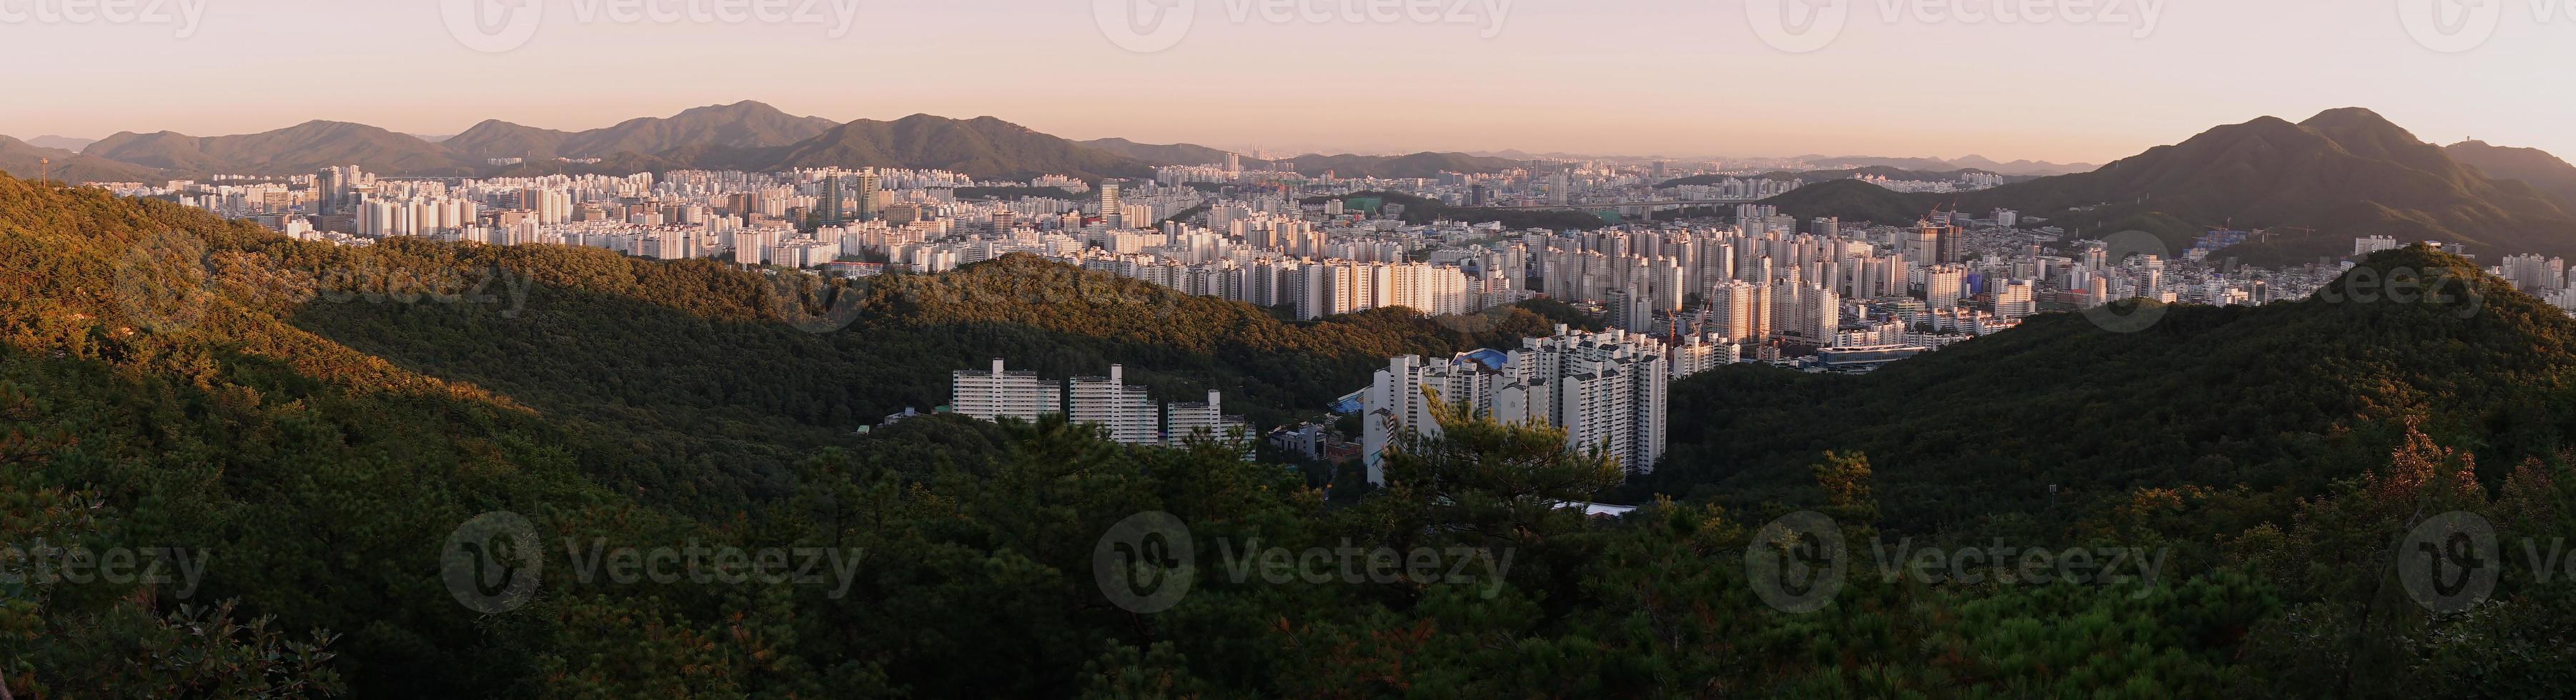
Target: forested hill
{"x": 313, "y": 424}
{"x": 699, "y": 368}
{"x": 324, "y": 415}
{"x": 2269, "y": 403}
{"x": 699, "y": 348}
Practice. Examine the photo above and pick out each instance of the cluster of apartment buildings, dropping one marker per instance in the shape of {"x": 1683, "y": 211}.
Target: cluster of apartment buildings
{"x": 1123, "y": 412}
{"x": 1609, "y": 391}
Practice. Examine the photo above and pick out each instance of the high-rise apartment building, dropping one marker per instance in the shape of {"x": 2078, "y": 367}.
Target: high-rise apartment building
{"x": 1125, "y": 413}
{"x": 1111, "y": 210}
{"x": 868, "y": 188}
{"x": 2015, "y": 299}
{"x": 1001, "y": 393}
{"x": 1187, "y": 420}
{"x": 1608, "y": 391}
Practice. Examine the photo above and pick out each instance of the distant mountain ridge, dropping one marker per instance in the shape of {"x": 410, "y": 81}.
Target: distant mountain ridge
{"x": 744, "y": 135}
{"x": 302, "y": 148}
{"x": 1971, "y": 162}
{"x": 1424, "y": 164}
{"x": 983, "y": 147}
{"x": 740, "y": 125}
{"x": 2534, "y": 167}
{"x": 26, "y": 161}
{"x": 67, "y": 143}
{"x": 1815, "y": 176}
{"x": 2316, "y": 185}
{"x": 1174, "y": 154}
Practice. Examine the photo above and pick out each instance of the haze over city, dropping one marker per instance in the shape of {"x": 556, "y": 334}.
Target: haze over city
{"x": 1606, "y": 77}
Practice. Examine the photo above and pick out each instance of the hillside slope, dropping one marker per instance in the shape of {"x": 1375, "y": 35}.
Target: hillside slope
{"x": 2534, "y": 167}
{"x": 2284, "y": 399}
{"x": 323, "y": 416}
{"x": 321, "y": 419}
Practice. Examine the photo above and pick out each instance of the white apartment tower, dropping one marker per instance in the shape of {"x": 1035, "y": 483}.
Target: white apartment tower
{"x": 1125, "y": 412}
{"x": 1002, "y": 394}
{"x": 1187, "y": 420}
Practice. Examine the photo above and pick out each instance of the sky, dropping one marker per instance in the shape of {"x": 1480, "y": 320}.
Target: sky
{"x": 1679, "y": 78}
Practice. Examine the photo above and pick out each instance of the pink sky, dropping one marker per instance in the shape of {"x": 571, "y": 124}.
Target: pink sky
{"x": 1671, "y": 77}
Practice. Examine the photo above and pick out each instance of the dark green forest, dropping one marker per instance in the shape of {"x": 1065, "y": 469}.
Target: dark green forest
{"x": 317, "y": 422}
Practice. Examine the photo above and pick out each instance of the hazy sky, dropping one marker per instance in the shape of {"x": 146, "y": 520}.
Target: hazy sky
{"x": 1673, "y": 77}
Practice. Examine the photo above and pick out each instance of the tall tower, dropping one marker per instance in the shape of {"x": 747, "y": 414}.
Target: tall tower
{"x": 1110, "y": 204}
{"x": 828, "y": 201}
{"x": 868, "y": 185}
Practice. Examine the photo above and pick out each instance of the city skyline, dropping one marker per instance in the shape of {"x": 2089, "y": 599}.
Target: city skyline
{"x": 1700, "y": 81}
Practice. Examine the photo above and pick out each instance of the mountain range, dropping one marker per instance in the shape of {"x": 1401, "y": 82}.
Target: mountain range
{"x": 739, "y": 125}
{"x": 2534, "y": 167}
{"x": 1971, "y": 162}
{"x": 298, "y": 149}
{"x": 743, "y": 136}
{"x": 62, "y": 142}
{"x": 2315, "y": 185}
{"x": 983, "y": 147}
{"x": 28, "y": 159}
